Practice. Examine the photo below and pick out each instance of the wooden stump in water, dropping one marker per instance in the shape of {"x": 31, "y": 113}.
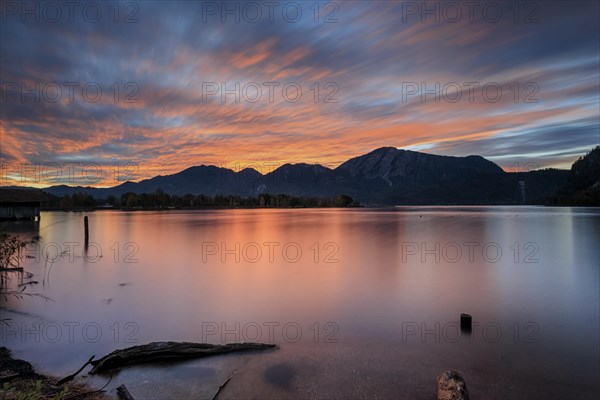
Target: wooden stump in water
{"x": 451, "y": 386}
{"x": 466, "y": 322}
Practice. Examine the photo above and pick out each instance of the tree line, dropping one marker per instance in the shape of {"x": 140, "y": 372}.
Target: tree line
{"x": 162, "y": 200}
{"x": 583, "y": 185}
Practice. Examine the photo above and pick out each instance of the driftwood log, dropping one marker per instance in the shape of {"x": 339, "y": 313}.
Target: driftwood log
{"x": 168, "y": 351}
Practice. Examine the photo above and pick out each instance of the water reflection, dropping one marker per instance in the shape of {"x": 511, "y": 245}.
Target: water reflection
{"x": 28, "y": 229}
{"x": 362, "y": 302}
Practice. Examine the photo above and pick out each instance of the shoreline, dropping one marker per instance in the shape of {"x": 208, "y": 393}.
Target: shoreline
{"x": 18, "y": 378}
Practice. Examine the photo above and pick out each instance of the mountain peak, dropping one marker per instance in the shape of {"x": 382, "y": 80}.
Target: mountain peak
{"x": 389, "y": 162}
{"x": 386, "y": 149}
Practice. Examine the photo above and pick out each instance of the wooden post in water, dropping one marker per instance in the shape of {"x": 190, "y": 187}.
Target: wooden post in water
{"x": 466, "y": 323}
{"x": 86, "y": 231}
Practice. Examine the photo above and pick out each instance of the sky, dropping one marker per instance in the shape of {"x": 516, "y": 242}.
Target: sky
{"x": 96, "y": 93}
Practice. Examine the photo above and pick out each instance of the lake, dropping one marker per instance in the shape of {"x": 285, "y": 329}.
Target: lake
{"x": 363, "y": 303}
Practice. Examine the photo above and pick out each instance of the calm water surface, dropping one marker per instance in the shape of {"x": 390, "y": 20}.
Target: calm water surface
{"x": 363, "y": 303}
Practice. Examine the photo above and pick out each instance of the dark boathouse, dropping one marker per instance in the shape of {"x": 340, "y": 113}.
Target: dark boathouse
{"x": 20, "y": 203}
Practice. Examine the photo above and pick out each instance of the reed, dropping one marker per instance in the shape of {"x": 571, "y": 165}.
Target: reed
{"x": 11, "y": 256}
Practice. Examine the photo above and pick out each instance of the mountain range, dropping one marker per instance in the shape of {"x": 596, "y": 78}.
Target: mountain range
{"x": 386, "y": 176}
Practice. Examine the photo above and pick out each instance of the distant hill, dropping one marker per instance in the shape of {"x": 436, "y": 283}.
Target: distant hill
{"x": 583, "y": 183}
{"x": 386, "y": 176}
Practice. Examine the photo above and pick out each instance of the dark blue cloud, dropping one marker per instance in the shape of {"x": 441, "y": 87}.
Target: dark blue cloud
{"x": 368, "y": 49}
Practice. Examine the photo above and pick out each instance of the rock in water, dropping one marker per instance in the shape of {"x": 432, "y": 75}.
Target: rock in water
{"x": 451, "y": 386}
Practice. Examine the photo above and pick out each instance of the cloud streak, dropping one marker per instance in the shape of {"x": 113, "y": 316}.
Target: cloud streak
{"x": 177, "y": 86}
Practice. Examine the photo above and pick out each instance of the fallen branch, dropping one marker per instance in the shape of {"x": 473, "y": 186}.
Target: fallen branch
{"x": 70, "y": 377}
{"x": 124, "y": 393}
{"x": 223, "y": 385}
{"x": 168, "y": 351}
